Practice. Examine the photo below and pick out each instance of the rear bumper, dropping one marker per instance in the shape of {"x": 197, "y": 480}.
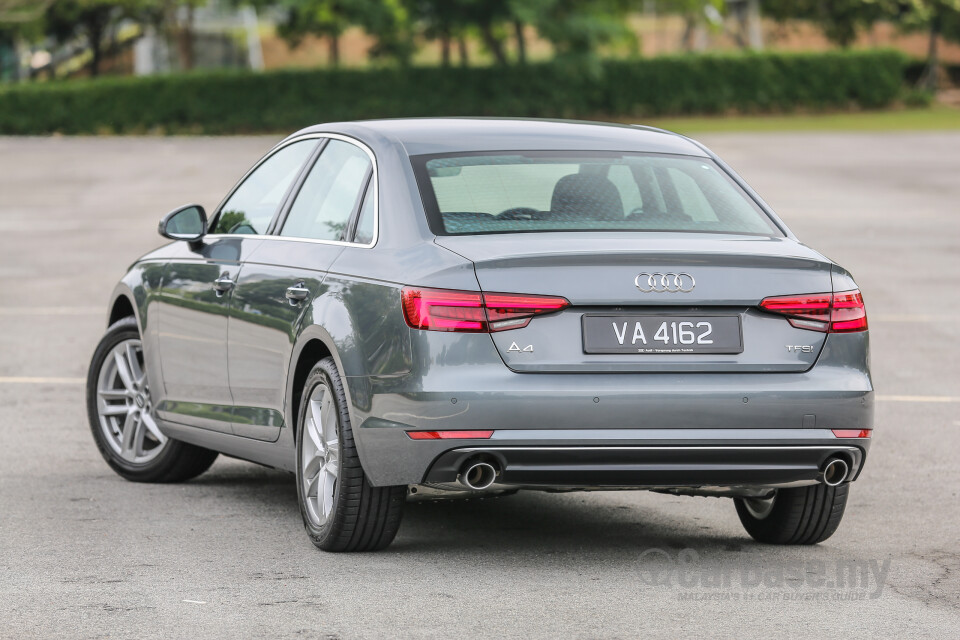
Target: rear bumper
{"x": 651, "y": 466}
{"x": 617, "y": 423}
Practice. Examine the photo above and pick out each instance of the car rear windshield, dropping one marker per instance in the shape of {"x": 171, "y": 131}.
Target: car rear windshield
{"x": 515, "y": 192}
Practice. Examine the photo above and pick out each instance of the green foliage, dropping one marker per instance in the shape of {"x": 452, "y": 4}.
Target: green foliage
{"x": 287, "y": 100}
{"x": 578, "y": 27}
{"x": 917, "y": 98}
{"x": 841, "y": 20}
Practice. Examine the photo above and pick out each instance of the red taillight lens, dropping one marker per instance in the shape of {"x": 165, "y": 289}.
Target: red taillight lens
{"x": 449, "y": 435}
{"x": 512, "y": 311}
{"x": 853, "y": 433}
{"x": 829, "y": 312}
{"x": 444, "y": 310}
{"x": 447, "y": 310}
{"x": 849, "y": 314}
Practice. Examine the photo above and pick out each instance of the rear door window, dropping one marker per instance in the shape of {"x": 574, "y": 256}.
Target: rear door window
{"x": 330, "y": 194}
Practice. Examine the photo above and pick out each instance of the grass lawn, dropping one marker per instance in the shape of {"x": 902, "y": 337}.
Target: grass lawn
{"x": 936, "y": 117}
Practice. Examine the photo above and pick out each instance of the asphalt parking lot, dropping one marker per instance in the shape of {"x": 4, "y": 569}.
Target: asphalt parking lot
{"x": 86, "y": 554}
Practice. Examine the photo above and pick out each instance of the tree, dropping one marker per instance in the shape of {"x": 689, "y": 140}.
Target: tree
{"x": 174, "y": 19}
{"x": 577, "y": 28}
{"x": 446, "y": 21}
{"x": 22, "y": 11}
{"x": 391, "y": 23}
{"x": 940, "y": 19}
{"x": 840, "y": 20}
{"x": 94, "y": 21}
{"x": 324, "y": 18}
{"x": 388, "y": 21}
{"x": 695, "y": 13}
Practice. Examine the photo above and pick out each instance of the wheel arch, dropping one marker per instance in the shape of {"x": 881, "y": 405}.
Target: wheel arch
{"x": 314, "y": 344}
{"x": 309, "y": 351}
{"x": 121, "y": 307}
{"x": 123, "y": 303}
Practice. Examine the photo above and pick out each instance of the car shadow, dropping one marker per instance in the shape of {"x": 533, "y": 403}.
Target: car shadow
{"x": 528, "y": 523}
{"x": 537, "y": 522}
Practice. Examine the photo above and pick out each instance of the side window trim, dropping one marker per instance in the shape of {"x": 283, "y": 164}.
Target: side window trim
{"x": 355, "y": 216}
{"x": 216, "y": 216}
{"x": 281, "y": 216}
{"x": 273, "y": 233}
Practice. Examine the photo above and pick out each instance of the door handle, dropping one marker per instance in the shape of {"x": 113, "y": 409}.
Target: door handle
{"x": 223, "y": 283}
{"x": 297, "y": 292}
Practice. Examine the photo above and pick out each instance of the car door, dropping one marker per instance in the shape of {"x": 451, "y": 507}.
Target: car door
{"x": 279, "y": 283}
{"x": 198, "y": 288}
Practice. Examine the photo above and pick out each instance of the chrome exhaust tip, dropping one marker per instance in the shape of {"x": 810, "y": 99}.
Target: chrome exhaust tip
{"x": 477, "y": 475}
{"x": 834, "y": 472}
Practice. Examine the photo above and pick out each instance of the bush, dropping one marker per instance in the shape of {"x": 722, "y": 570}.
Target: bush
{"x": 917, "y": 98}
{"x": 235, "y": 102}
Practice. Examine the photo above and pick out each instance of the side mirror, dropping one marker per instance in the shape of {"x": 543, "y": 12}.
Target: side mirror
{"x": 185, "y": 223}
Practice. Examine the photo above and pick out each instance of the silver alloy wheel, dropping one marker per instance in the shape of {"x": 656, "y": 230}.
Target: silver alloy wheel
{"x": 320, "y": 455}
{"x": 760, "y": 508}
{"x": 124, "y": 405}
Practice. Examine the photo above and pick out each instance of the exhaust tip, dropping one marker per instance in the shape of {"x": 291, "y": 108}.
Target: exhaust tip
{"x": 834, "y": 472}
{"x": 478, "y": 475}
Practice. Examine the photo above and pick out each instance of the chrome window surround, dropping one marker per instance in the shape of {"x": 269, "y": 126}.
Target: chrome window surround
{"x": 273, "y": 234}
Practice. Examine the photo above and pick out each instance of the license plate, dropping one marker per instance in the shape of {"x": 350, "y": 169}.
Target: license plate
{"x": 662, "y": 334}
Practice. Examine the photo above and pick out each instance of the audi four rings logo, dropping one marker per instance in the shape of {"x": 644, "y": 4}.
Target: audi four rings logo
{"x": 665, "y": 282}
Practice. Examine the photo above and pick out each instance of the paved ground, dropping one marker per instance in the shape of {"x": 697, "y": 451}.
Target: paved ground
{"x": 85, "y": 554}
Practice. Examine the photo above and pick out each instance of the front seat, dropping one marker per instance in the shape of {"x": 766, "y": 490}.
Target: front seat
{"x": 581, "y": 196}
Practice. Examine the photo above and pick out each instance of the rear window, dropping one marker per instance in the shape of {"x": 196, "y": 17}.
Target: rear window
{"x": 515, "y": 192}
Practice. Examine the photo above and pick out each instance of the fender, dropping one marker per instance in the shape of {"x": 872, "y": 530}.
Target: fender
{"x": 140, "y": 286}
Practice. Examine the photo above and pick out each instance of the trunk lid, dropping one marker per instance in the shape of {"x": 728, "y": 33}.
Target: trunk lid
{"x": 598, "y": 274}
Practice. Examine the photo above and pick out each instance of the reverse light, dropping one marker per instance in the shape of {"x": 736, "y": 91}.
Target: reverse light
{"x": 473, "y": 311}
{"x": 449, "y": 435}
{"x": 841, "y": 312}
{"x": 853, "y": 433}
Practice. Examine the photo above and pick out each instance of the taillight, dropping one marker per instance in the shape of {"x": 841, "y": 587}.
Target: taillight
{"x": 829, "y": 312}
{"x": 448, "y": 310}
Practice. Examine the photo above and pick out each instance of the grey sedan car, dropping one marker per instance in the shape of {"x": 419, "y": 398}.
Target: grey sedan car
{"x": 459, "y": 307}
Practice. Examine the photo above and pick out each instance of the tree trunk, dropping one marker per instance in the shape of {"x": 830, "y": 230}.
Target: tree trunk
{"x": 95, "y": 37}
{"x": 445, "y": 48}
{"x": 690, "y": 26}
{"x": 521, "y": 41}
{"x": 185, "y": 41}
{"x": 931, "y": 75}
{"x": 493, "y": 44}
{"x": 334, "y": 45}
{"x": 462, "y": 50}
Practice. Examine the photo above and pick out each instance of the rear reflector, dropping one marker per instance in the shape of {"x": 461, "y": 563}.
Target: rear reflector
{"x": 449, "y": 435}
{"x": 853, "y": 433}
{"x": 473, "y": 311}
{"x": 841, "y": 312}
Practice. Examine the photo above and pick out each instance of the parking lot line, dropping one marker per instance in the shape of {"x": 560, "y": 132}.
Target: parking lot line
{"x": 884, "y": 398}
{"x": 52, "y": 311}
{"x": 39, "y": 380}
{"x": 911, "y": 317}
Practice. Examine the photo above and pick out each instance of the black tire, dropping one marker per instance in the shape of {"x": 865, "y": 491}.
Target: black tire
{"x": 802, "y": 515}
{"x": 363, "y": 517}
{"x": 178, "y": 461}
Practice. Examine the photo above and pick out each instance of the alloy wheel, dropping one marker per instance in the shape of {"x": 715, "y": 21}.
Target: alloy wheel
{"x": 760, "y": 508}
{"x": 124, "y": 406}
{"x": 320, "y": 455}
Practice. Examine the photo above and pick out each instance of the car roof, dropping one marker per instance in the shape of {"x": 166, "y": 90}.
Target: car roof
{"x": 449, "y": 135}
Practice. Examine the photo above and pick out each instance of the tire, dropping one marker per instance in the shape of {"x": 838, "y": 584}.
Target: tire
{"x": 802, "y": 515}
{"x": 341, "y": 510}
{"x": 116, "y": 402}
